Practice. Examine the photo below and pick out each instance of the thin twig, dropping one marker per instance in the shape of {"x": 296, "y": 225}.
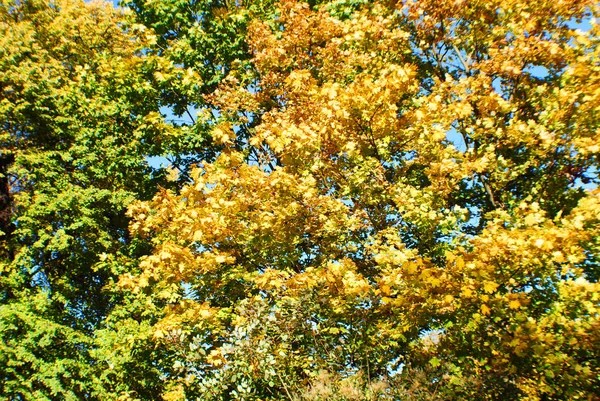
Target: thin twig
{"x": 461, "y": 59}
{"x": 285, "y": 387}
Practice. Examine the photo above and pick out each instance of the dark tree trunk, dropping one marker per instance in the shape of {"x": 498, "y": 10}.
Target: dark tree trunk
{"x": 6, "y": 225}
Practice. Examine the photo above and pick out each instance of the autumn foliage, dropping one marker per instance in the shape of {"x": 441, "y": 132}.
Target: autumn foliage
{"x": 365, "y": 200}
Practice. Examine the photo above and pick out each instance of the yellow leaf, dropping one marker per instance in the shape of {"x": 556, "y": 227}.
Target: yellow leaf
{"x": 485, "y": 309}
{"x": 197, "y": 235}
{"x": 215, "y": 358}
{"x": 530, "y": 219}
{"x": 385, "y": 289}
{"x": 386, "y": 300}
{"x": 489, "y": 286}
{"x": 514, "y": 304}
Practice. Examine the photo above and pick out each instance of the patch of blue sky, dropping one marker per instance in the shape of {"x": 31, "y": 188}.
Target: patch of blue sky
{"x": 158, "y": 162}
{"x": 583, "y": 24}
{"x": 537, "y": 71}
{"x": 456, "y": 139}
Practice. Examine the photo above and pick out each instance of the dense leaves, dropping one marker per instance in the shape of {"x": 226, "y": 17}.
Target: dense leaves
{"x": 366, "y": 200}
{"x": 79, "y": 116}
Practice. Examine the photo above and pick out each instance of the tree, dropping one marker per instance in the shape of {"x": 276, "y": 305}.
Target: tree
{"x": 403, "y": 207}
{"x": 366, "y": 200}
{"x": 79, "y": 117}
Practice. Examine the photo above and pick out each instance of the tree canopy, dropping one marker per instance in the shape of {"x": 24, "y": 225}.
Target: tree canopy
{"x": 363, "y": 200}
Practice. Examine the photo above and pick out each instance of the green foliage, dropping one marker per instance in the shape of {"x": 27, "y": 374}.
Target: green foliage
{"x": 79, "y": 119}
